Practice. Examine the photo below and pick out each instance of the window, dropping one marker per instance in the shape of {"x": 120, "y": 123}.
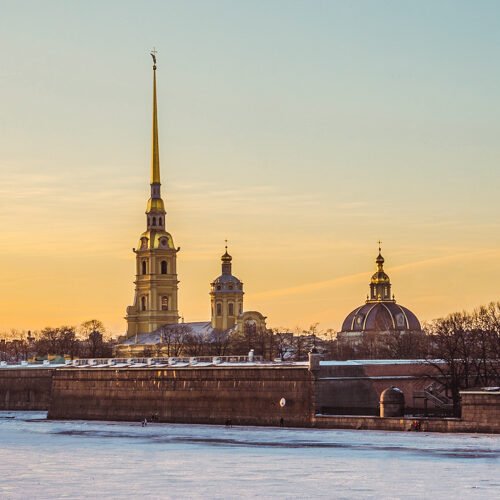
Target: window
{"x": 144, "y": 267}
{"x": 164, "y": 303}
{"x": 159, "y": 221}
{"x": 219, "y": 309}
{"x": 241, "y": 308}
{"x": 154, "y": 221}
{"x": 163, "y": 267}
{"x": 143, "y": 303}
{"x": 231, "y": 309}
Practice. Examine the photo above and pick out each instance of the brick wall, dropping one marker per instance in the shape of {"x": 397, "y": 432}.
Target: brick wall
{"x": 482, "y": 407}
{"x": 211, "y": 395}
{"x": 25, "y": 389}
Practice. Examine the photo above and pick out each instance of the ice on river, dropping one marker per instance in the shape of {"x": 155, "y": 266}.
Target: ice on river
{"x": 77, "y": 459}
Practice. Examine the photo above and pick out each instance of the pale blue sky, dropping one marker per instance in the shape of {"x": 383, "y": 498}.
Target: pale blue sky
{"x": 289, "y": 127}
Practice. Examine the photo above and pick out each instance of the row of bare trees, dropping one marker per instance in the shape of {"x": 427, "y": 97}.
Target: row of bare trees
{"x": 464, "y": 349}
{"x": 88, "y": 340}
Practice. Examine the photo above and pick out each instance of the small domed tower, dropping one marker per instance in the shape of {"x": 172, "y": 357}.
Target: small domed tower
{"x": 226, "y": 296}
{"x": 380, "y": 313}
{"x": 380, "y": 286}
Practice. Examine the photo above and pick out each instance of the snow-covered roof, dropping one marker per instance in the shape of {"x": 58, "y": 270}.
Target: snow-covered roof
{"x": 200, "y": 329}
{"x": 357, "y": 362}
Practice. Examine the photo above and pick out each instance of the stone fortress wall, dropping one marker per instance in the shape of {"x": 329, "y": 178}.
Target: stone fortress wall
{"x": 209, "y": 395}
{"x": 25, "y": 388}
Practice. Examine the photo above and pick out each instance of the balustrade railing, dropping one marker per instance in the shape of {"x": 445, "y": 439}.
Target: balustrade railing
{"x": 170, "y": 361}
{"x": 138, "y": 362}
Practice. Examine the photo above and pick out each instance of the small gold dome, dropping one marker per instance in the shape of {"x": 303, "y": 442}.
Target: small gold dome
{"x": 155, "y": 205}
{"x": 226, "y": 257}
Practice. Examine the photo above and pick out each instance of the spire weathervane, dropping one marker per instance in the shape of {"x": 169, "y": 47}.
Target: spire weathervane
{"x": 153, "y": 55}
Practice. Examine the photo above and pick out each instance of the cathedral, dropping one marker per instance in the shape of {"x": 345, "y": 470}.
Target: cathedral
{"x": 155, "y": 307}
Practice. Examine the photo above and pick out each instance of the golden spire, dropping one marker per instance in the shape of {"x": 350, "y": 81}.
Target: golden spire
{"x": 155, "y": 203}
{"x": 155, "y": 151}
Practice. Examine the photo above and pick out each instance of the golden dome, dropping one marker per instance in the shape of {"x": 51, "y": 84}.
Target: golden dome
{"x": 226, "y": 258}
{"x": 155, "y": 205}
{"x": 156, "y": 238}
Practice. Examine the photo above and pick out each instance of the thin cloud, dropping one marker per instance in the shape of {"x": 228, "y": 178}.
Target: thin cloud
{"x": 321, "y": 285}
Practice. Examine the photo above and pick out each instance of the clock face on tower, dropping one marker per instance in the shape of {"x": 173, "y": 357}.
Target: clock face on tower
{"x": 164, "y": 242}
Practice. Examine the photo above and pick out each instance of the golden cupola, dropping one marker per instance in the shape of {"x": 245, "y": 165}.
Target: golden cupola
{"x": 380, "y": 284}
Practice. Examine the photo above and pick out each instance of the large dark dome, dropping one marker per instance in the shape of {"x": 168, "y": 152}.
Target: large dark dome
{"x": 380, "y": 313}
{"x": 380, "y": 317}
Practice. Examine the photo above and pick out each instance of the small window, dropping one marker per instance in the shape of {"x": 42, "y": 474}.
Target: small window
{"x": 219, "y": 310}
{"x": 163, "y": 267}
{"x": 154, "y": 221}
{"x": 159, "y": 221}
{"x": 144, "y": 267}
{"x": 241, "y": 308}
{"x": 218, "y": 287}
{"x": 164, "y": 303}
{"x": 230, "y": 287}
{"x": 143, "y": 303}
{"x": 231, "y": 309}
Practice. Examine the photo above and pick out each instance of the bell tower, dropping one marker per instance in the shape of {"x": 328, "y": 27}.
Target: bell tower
{"x": 226, "y": 293}
{"x": 156, "y": 284}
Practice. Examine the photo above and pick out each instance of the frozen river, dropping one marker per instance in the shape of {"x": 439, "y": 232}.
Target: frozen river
{"x": 75, "y": 459}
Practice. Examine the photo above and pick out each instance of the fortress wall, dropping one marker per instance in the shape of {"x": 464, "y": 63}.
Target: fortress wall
{"x": 25, "y": 389}
{"x": 356, "y": 389}
{"x": 482, "y": 407}
{"x": 210, "y": 395}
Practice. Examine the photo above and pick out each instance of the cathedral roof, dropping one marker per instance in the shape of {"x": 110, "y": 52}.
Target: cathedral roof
{"x": 200, "y": 329}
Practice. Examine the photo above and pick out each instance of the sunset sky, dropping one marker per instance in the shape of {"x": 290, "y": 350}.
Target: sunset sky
{"x": 303, "y": 132}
